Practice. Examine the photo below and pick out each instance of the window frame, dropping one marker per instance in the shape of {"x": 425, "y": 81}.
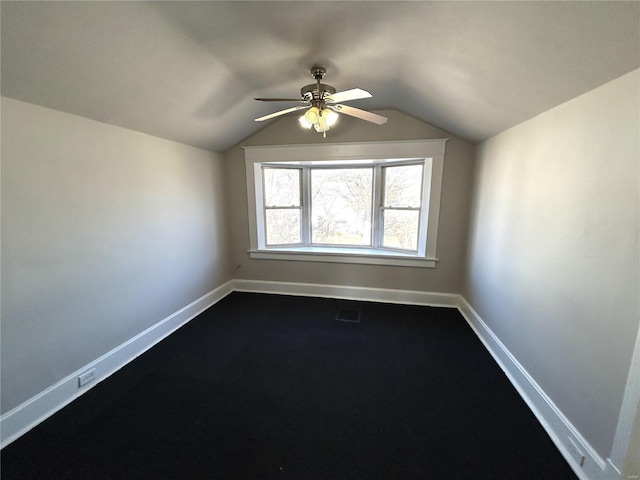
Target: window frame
{"x": 263, "y": 220}
{"x": 381, "y": 206}
{"x": 430, "y": 153}
{"x": 337, "y": 166}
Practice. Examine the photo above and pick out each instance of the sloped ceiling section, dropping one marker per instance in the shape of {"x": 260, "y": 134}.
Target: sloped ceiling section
{"x": 188, "y": 71}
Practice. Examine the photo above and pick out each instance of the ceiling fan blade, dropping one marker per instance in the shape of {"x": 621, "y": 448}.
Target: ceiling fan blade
{"x": 281, "y": 112}
{"x": 345, "y": 96}
{"x": 361, "y": 114}
{"x": 279, "y": 99}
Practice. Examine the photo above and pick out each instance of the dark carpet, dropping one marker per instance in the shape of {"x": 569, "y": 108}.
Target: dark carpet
{"x": 275, "y": 387}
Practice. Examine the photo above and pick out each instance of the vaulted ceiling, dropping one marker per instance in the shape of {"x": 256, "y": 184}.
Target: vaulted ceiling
{"x": 188, "y": 71}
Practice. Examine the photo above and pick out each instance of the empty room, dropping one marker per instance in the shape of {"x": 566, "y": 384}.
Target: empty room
{"x": 320, "y": 240}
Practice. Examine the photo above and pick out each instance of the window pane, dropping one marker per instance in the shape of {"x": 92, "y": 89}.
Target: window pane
{"x": 403, "y": 186}
{"x": 341, "y": 206}
{"x": 281, "y": 187}
{"x": 401, "y": 229}
{"x": 283, "y": 226}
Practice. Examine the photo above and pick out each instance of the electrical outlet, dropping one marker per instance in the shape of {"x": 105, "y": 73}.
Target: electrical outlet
{"x": 86, "y": 377}
{"x": 575, "y": 452}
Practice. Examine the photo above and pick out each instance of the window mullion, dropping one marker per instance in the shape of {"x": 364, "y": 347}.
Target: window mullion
{"x": 305, "y": 195}
{"x": 376, "y": 211}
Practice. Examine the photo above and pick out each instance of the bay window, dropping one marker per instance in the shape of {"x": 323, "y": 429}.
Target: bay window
{"x": 374, "y": 203}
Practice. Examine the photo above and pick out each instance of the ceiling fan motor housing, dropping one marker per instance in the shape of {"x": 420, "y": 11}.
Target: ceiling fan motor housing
{"x": 316, "y": 91}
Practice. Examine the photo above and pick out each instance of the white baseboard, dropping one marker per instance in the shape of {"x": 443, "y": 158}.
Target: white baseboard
{"x": 611, "y": 472}
{"x": 557, "y": 425}
{"x": 407, "y": 297}
{"x": 27, "y": 415}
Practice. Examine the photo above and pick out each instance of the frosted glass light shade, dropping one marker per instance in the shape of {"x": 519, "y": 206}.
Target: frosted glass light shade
{"x": 312, "y": 115}
{"x": 330, "y": 117}
{"x": 303, "y": 121}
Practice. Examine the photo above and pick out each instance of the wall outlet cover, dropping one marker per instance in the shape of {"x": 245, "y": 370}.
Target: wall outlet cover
{"x": 86, "y": 377}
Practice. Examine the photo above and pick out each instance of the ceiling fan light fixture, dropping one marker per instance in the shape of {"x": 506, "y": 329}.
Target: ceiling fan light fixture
{"x": 321, "y": 120}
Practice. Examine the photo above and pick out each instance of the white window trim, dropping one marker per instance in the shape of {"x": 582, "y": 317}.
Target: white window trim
{"x": 432, "y": 151}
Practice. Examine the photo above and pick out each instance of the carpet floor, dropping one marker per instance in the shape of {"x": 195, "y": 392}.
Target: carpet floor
{"x": 275, "y": 387}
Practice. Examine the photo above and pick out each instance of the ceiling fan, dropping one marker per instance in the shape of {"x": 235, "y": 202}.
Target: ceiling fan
{"x": 323, "y": 104}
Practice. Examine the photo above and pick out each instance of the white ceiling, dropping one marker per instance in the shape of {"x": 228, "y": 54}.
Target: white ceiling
{"x": 188, "y": 71}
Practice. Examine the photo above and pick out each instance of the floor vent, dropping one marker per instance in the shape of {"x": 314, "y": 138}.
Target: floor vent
{"x": 348, "y": 315}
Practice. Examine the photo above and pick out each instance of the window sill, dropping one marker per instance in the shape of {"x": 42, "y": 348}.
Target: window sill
{"x": 344, "y": 255}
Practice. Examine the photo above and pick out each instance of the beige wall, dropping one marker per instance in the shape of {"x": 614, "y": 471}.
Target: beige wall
{"x": 553, "y": 263}
{"x": 458, "y": 168}
{"x": 105, "y": 232}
